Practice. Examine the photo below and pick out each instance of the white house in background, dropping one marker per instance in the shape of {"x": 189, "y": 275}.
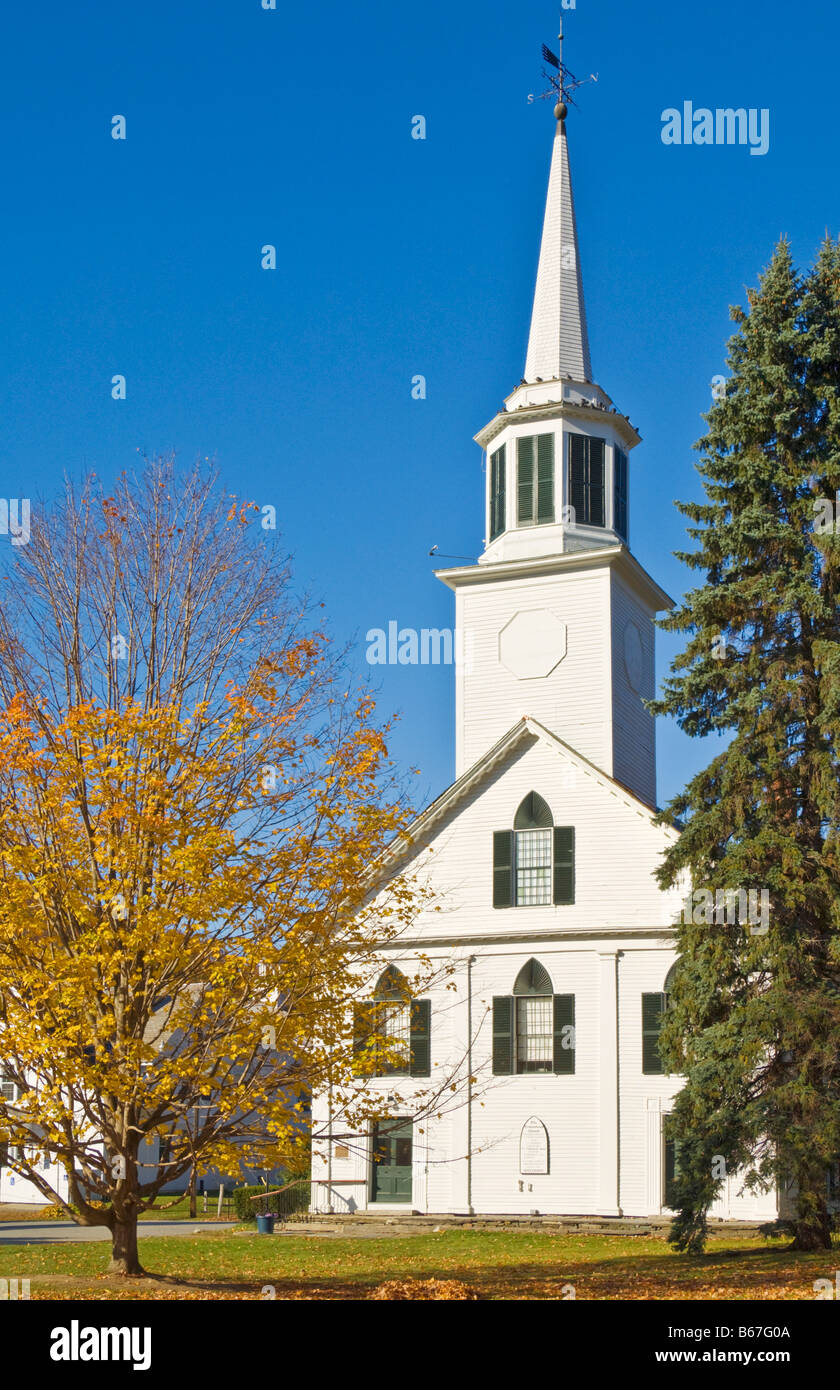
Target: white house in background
{"x": 22, "y": 1191}
{"x": 545, "y": 846}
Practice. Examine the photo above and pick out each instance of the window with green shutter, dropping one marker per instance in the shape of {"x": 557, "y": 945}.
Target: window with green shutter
{"x": 564, "y": 865}
{"x": 653, "y": 1009}
{"x": 620, "y": 493}
{"x": 363, "y": 1028}
{"x": 534, "y": 864}
{"x": 502, "y": 1035}
{"x": 586, "y": 479}
{"x": 421, "y": 1040}
{"x": 534, "y": 1029}
{"x": 535, "y": 480}
{"x": 564, "y": 1034}
{"x": 503, "y": 868}
{"x": 498, "y": 492}
{"x": 391, "y": 1031}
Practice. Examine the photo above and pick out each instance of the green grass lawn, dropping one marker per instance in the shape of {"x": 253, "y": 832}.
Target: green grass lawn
{"x": 179, "y": 1212}
{"x": 498, "y": 1264}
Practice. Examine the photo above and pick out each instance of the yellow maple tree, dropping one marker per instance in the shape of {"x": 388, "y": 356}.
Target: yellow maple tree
{"x": 189, "y": 820}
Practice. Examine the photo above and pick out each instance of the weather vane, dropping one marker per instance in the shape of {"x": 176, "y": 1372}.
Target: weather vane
{"x": 562, "y": 82}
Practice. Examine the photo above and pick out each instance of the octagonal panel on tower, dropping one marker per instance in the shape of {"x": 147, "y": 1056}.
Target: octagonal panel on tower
{"x": 532, "y": 644}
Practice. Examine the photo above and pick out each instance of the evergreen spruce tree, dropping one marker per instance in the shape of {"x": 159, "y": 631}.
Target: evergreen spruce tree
{"x": 754, "y": 1015}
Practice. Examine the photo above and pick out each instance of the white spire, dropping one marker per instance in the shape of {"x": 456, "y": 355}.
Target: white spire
{"x": 558, "y": 344}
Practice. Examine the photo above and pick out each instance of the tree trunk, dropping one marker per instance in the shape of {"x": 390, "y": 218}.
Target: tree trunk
{"x": 124, "y": 1257}
{"x": 813, "y": 1224}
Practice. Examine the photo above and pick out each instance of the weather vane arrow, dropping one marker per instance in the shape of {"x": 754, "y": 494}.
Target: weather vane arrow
{"x": 562, "y": 82}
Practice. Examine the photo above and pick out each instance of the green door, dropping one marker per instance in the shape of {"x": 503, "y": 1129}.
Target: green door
{"x": 672, "y": 1171}
{"x": 391, "y": 1181}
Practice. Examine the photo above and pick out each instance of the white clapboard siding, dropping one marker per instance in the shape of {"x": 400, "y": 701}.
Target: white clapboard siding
{"x": 573, "y": 701}
{"x": 634, "y": 750}
{"x": 604, "y": 1123}
{"x": 617, "y": 849}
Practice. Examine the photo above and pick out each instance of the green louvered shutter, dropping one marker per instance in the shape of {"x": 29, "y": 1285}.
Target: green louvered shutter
{"x": 503, "y": 868}
{"x": 577, "y": 476}
{"x": 545, "y": 478}
{"x": 597, "y": 500}
{"x": 503, "y": 1035}
{"x": 497, "y": 492}
{"x": 620, "y": 493}
{"x": 564, "y": 1034}
{"x": 564, "y": 864}
{"x": 653, "y": 1008}
{"x": 362, "y": 1030}
{"x": 421, "y": 1037}
{"x": 525, "y": 481}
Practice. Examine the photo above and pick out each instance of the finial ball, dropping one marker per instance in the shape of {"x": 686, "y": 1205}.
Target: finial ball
{"x": 561, "y": 110}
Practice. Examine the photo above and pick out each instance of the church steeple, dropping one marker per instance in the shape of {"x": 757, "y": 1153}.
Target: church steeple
{"x": 556, "y": 613}
{"x": 557, "y": 453}
{"x": 558, "y": 344}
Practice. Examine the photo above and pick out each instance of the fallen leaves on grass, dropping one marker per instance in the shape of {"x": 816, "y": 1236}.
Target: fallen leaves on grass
{"x": 451, "y": 1290}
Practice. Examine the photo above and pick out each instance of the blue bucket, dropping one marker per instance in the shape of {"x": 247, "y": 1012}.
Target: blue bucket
{"x": 265, "y": 1225}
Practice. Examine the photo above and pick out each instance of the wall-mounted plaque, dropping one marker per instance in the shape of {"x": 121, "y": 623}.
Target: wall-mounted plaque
{"x": 533, "y": 1147}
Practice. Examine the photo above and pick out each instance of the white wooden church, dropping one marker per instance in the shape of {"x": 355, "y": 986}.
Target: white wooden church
{"x": 545, "y": 845}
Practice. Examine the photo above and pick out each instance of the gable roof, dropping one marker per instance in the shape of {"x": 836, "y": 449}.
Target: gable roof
{"x": 523, "y": 730}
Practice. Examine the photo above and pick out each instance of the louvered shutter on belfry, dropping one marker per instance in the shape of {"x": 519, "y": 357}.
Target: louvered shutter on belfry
{"x": 564, "y": 1034}
{"x": 564, "y": 864}
{"x": 503, "y": 1035}
{"x": 620, "y": 493}
{"x": 545, "y": 478}
{"x": 503, "y": 868}
{"x": 653, "y": 1008}
{"x": 525, "y": 481}
{"x": 497, "y": 493}
{"x": 597, "y": 508}
{"x": 421, "y": 1040}
{"x": 577, "y": 476}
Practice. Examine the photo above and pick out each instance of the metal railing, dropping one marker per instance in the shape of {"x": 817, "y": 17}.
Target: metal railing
{"x": 291, "y": 1199}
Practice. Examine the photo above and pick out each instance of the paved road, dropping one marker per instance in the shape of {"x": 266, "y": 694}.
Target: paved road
{"x": 54, "y": 1232}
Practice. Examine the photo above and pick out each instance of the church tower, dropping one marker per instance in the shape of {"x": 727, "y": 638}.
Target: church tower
{"x": 557, "y": 616}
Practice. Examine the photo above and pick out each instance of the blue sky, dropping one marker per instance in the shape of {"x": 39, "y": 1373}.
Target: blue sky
{"x": 395, "y": 257}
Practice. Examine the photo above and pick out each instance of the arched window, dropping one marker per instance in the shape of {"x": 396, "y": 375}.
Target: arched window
{"x": 534, "y": 863}
{"x": 532, "y": 827}
{"x": 534, "y": 999}
{"x": 654, "y": 1008}
{"x": 393, "y": 1021}
{"x": 392, "y": 1030}
{"x": 533, "y": 814}
{"x": 392, "y": 984}
{"x": 534, "y": 1028}
{"x": 533, "y": 978}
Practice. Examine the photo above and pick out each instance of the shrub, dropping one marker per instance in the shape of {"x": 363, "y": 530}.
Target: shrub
{"x": 244, "y": 1207}
{"x": 56, "y": 1213}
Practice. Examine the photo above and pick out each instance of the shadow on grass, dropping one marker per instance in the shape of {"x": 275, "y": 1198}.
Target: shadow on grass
{"x": 721, "y": 1275}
